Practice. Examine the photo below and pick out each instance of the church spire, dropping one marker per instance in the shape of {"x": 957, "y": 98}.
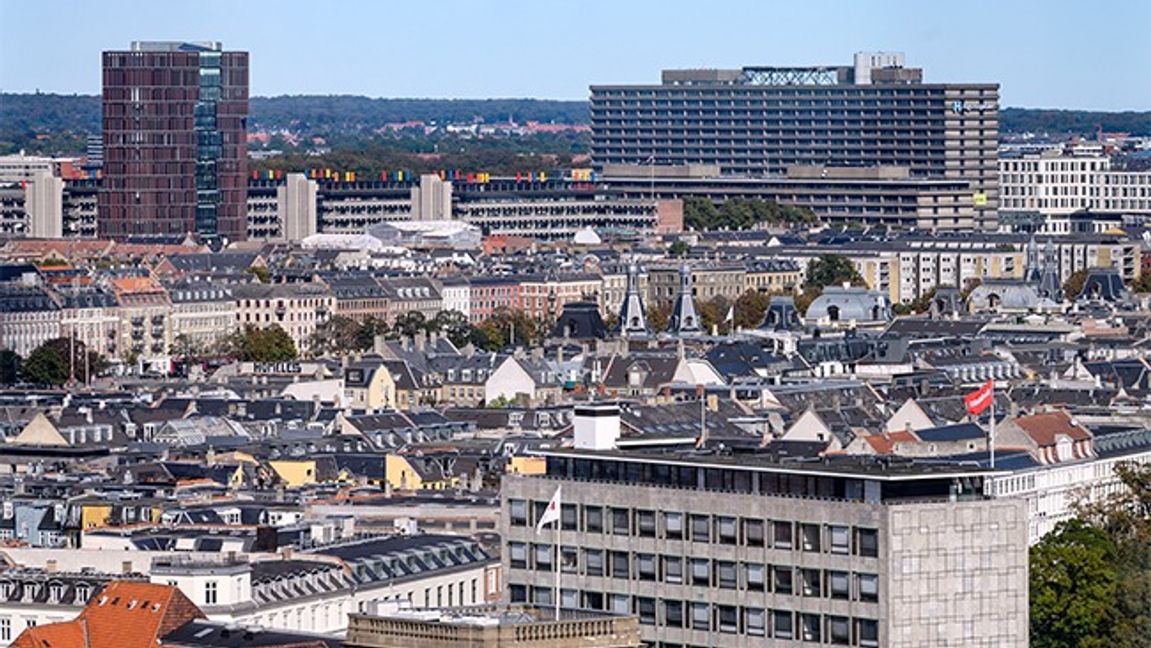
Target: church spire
{"x": 632, "y": 316}
{"x": 684, "y": 319}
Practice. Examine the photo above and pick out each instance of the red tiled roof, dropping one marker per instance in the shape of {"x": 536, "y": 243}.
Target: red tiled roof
{"x": 1045, "y": 427}
{"x": 125, "y": 615}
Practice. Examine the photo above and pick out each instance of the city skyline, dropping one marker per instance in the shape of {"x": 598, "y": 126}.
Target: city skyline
{"x": 521, "y": 51}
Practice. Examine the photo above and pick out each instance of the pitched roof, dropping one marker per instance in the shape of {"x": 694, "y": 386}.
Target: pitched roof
{"x": 125, "y": 615}
{"x": 1044, "y": 428}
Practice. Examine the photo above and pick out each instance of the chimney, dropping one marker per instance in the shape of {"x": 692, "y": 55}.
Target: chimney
{"x": 420, "y": 340}
{"x": 126, "y": 567}
{"x": 50, "y": 566}
{"x": 560, "y": 353}
{"x": 538, "y": 353}
{"x": 379, "y": 343}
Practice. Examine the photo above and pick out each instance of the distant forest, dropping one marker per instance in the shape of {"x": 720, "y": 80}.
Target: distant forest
{"x": 58, "y": 124}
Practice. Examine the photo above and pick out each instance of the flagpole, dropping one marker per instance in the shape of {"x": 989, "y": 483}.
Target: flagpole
{"x": 991, "y": 441}
{"x": 559, "y": 558}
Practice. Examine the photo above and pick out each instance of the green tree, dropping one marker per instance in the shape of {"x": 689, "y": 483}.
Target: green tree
{"x": 699, "y": 213}
{"x": 1142, "y": 284}
{"x": 46, "y": 366}
{"x": 922, "y": 303}
{"x": 658, "y": 315}
{"x": 261, "y": 273}
{"x": 750, "y": 307}
{"x": 10, "y": 363}
{"x": 271, "y": 344}
{"x": 454, "y": 325}
{"x": 1074, "y": 284}
{"x": 1074, "y": 583}
{"x": 83, "y": 361}
{"x": 409, "y": 324}
{"x": 678, "y": 249}
{"x": 713, "y": 313}
{"x": 832, "y": 270}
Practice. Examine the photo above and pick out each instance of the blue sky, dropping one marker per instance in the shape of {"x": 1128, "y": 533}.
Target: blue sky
{"x": 1091, "y": 54}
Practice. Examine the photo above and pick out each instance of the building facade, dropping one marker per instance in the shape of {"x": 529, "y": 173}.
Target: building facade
{"x": 175, "y": 141}
{"x": 761, "y": 120}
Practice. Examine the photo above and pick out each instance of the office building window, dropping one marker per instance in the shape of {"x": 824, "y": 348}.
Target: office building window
{"x": 569, "y": 517}
{"x": 700, "y": 616}
{"x": 753, "y": 533}
{"x": 727, "y": 617}
{"x": 620, "y": 604}
{"x": 809, "y": 627}
{"x": 518, "y": 554}
{"x": 593, "y": 600}
{"x": 781, "y": 535}
{"x": 593, "y": 562}
{"x": 673, "y": 526}
{"x": 543, "y": 555}
{"x": 839, "y": 539}
{"x": 726, "y": 529}
{"x": 700, "y": 572}
{"x": 868, "y": 632}
{"x": 673, "y": 614}
{"x": 569, "y": 562}
{"x": 645, "y": 610}
{"x": 700, "y": 528}
{"x": 725, "y": 574}
{"x": 868, "y": 587}
{"x": 620, "y": 521}
{"x": 755, "y": 577}
{"x": 867, "y": 542}
{"x": 809, "y": 581}
{"x": 519, "y": 512}
{"x": 809, "y": 536}
{"x": 645, "y": 523}
{"x": 838, "y": 631}
{"x": 782, "y": 624}
{"x": 620, "y": 564}
{"x": 645, "y": 566}
{"x": 838, "y": 584}
{"x": 593, "y": 519}
{"x": 754, "y": 621}
{"x": 672, "y": 569}
{"x": 781, "y": 579}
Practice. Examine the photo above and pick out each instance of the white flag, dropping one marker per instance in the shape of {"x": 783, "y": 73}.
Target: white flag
{"x": 551, "y": 513}
{"x": 730, "y": 314}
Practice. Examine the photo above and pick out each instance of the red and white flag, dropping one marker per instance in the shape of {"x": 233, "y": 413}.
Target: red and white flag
{"x": 551, "y": 513}
{"x": 980, "y": 399}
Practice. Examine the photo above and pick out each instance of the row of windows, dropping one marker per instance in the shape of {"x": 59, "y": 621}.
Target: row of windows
{"x": 727, "y": 619}
{"x": 697, "y": 527}
{"x": 700, "y": 572}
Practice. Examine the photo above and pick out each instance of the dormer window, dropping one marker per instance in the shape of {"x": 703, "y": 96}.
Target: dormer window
{"x": 55, "y": 591}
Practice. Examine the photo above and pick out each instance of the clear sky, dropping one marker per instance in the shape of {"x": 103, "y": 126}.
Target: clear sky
{"x": 1086, "y": 54}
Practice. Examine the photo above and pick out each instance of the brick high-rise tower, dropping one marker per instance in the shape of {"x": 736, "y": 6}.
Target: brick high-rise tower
{"x": 175, "y": 141}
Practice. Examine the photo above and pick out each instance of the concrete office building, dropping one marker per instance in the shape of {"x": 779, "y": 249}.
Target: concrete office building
{"x": 715, "y": 550}
{"x": 175, "y": 141}
{"x": 431, "y": 199}
{"x": 282, "y": 211}
{"x": 758, "y": 121}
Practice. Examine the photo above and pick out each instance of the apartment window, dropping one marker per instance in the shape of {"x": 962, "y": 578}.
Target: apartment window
{"x": 838, "y": 585}
{"x": 645, "y": 523}
{"x": 518, "y": 554}
{"x": 726, "y": 529}
{"x": 809, "y": 536}
{"x": 519, "y": 512}
{"x": 211, "y": 593}
{"x": 568, "y": 517}
{"x": 700, "y": 616}
{"x": 593, "y": 562}
{"x": 781, "y": 582}
{"x": 782, "y": 624}
{"x": 809, "y": 627}
{"x": 645, "y": 609}
{"x": 700, "y": 528}
{"x": 700, "y": 572}
{"x": 725, "y": 574}
{"x": 867, "y": 542}
{"x": 839, "y": 536}
{"x": 755, "y": 576}
{"x": 672, "y": 569}
{"x": 593, "y": 519}
{"x": 645, "y": 566}
{"x": 809, "y": 581}
{"x": 5, "y": 629}
{"x": 753, "y": 533}
{"x": 838, "y": 631}
{"x": 782, "y": 535}
{"x": 868, "y": 587}
{"x": 673, "y": 614}
{"x": 620, "y": 521}
{"x": 620, "y": 564}
{"x": 868, "y": 632}
{"x": 593, "y": 600}
{"x": 673, "y": 526}
{"x": 754, "y": 622}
